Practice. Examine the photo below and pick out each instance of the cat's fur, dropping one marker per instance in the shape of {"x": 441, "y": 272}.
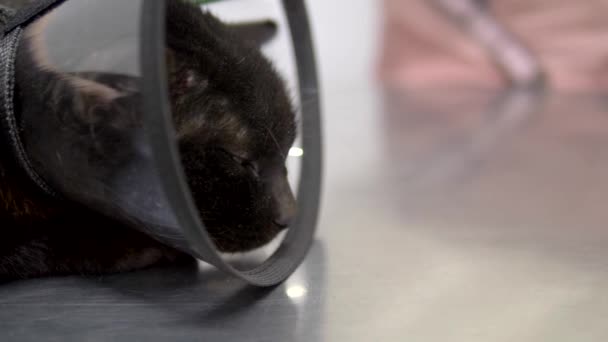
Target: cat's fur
{"x": 235, "y": 124}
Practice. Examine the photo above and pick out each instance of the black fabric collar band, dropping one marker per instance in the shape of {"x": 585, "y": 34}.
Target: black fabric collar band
{"x": 11, "y": 139}
{"x": 29, "y": 13}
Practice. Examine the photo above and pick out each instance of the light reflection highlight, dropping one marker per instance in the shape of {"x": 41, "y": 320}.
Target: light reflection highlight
{"x": 296, "y": 152}
{"x": 296, "y": 291}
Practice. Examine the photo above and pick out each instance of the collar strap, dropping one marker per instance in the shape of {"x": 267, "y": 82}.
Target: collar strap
{"x": 9, "y": 45}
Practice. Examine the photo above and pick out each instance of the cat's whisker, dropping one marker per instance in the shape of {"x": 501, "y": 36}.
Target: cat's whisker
{"x": 310, "y": 90}
{"x": 306, "y": 102}
{"x": 276, "y": 142}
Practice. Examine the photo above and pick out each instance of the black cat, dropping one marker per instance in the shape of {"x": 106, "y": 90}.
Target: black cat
{"x": 235, "y": 125}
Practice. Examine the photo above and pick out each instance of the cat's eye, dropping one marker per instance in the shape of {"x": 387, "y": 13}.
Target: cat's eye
{"x": 245, "y": 163}
{"x": 252, "y": 167}
{"x": 249, "y": 165}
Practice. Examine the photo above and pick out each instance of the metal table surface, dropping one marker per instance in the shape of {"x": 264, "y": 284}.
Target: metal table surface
{"x": 460, "y": 216}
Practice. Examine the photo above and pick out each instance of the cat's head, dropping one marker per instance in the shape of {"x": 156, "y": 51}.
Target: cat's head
{"x": 235, "y": 124}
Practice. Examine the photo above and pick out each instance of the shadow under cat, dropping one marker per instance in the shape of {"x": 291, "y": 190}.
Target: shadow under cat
{"x": 170, "y": 303}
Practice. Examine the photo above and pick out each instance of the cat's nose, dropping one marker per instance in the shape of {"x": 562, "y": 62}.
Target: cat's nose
{"x": 284, "y": 201}
{"x": 287, "y": 213}
{"x": 284, "y": 221}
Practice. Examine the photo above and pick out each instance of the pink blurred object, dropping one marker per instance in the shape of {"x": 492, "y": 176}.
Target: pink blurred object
{"x": 446, "y": 43}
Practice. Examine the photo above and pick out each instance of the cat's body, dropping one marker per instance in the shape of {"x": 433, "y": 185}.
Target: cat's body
{"x": 235, "y": 125}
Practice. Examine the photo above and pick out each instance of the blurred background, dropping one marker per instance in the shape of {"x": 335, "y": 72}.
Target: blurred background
{"x": 495, "y": 43}
{"x": 465, "y": 192}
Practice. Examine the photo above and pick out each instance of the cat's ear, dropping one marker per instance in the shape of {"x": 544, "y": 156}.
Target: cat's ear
{"x": 182, "y": 77}
{"x": 256, "y": 33}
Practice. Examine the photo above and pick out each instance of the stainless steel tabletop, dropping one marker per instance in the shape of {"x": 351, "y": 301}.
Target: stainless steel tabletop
{"x": 460, "y": 216}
